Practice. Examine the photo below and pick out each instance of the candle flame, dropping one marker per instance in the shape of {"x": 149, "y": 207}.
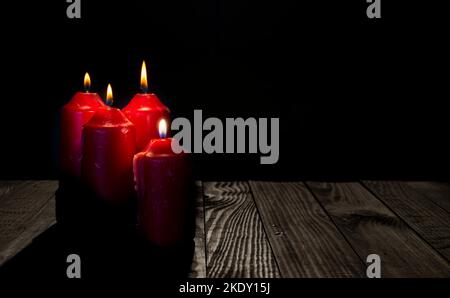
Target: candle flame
{"x": 144, "y": 84}
{"x": 162, "y": 127}
{"x": 109, "y": 95}
{"x": 87, "y": 82}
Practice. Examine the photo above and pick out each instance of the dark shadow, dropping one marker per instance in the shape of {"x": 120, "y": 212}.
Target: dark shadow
{"x": 107, "y": 241}
{"x": 120, "y": 255}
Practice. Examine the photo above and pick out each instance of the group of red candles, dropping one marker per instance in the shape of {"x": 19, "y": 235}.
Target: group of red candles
{"x": 118, "y": 153}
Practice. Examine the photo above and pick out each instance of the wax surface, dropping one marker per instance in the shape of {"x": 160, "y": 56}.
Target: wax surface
{"x": 164, "y": 186}
{"x": 108, "y": 150}
{"x": 77, "y": 112}
{"x": 145, "y": 110}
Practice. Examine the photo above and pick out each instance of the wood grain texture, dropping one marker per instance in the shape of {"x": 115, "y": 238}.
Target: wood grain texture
{"x": 43, "y": 220}
{"x": 236, "y": 242}
{"x": 371, "y": 228}
{"x": 438, "y": 192}
{"x": 198, "y": 268}
{"x": 305, "y": 241}
{"x": 24, "y": 213}
{"x": 8, "y": 187}
{"x": 429, "y": 220}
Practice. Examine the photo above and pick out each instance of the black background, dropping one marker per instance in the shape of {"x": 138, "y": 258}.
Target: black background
{"x": 356, "y": 98}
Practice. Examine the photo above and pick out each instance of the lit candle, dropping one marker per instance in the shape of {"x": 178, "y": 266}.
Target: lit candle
{"x": 164, "y": 186}
{"x": 77, "y": 112}
{"x": 108, "y": 150}
{"x": 145, "y": 110}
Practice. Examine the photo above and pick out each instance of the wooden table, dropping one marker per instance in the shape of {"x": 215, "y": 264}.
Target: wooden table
{"x": 283, "y": 229}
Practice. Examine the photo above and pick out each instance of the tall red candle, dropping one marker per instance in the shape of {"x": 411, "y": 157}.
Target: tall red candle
{"x": 163, "y": 181}
{"x": 77, "y": 112}
{"x": 145, "y": 110}
{"x": 108, "y": 150}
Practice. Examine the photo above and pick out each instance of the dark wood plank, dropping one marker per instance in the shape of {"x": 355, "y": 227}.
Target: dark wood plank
{"x": 371, "y": 227}
{"x": 198, "y": 268}
{"x": 430, "y": 221}
{"x": 236, "y": 243}
{"x": 304, "y": 240}
{"x": 21, "y": 203}
{"x": 43, "y": 220}
{"x": 8, "y": 187}
{"x": 438, "y": 192}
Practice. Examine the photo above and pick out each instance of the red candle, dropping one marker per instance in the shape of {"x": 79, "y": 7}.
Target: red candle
{"x": 108, "y": 150}
{"x": 163, "y": 182}
{"x": 145, "y": 110}
{"x": 77, "y": 112}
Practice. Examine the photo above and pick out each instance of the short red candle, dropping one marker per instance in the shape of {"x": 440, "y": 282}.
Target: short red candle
{"x": 163, "y": 181}
{"x": 77, "y": 112}
{"x": 108, "y": 150}
{"x": 145, "y": 110}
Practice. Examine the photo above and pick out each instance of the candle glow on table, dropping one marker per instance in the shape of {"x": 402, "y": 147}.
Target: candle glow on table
{"x": 77, "y": 112}
{"x": 109, "y": 147}
{"x": 163, "y": 182}
{"x": 144, "y": 111}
